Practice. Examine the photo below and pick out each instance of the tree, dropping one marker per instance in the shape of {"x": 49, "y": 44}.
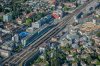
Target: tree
{"x": 65, "y": 8}
{"x": 93, "y": 42}
{"x": 98, "y": 34}
{"x": 28, "y": 21}
{"x": 1, "y": 8}
{"x": 57, "y": 57}
{"x": 1, "y": 18}
{"x": 71, "y": 0}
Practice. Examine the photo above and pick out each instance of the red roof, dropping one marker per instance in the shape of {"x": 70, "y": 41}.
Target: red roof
{"x": 55, "y": 16}
{"x": 30, "y": 14}
{"x": 54, "y": 1}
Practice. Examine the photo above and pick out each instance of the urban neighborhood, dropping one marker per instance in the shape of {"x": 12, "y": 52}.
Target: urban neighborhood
{"x": 49, "y": 32}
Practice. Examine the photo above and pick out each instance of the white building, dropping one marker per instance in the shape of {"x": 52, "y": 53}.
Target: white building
{"x": 5, "y": 53}
{"x": 30, "y": 29}
{"x": 15, "y": 38}
{"x": 7, "y": 17}
{"x": 81, "y": 1}
{"x": 63, "y": 41}
{"x": 35, "y": 25}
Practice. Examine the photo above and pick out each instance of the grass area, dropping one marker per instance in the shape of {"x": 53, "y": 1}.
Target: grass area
{"x": 98, "y": 63}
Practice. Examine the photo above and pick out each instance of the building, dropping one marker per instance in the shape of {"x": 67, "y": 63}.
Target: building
{"x": 15, "y": 38}
{"x": 30, "y": 15}
{"x": 42, "y": 48}
{"x": 81, "y": 1}
{"x": 7, "y": 17}
{"x": 52, "y": 1}
{"x": 45, "y": 20}
{"x": 73, "y": 39}
{"x": 5, "y": 37}
{"x": 53, "y": 43}
{"x": 57, "y": 14}
{"x": 1, "y": 40}
{"x": 70, "y": 58}
{"x": 96, "y": 20}
{"x": 70, "y": 5}
{"x": 5, "y": 53}
{"x": 63, "y": 41}
{"x": 1, "y": 25}
{"x": 65, "y": 64}
{"x": 18, "y": 30}
{"x": 35, "y": 25}
{"x": 97, "y": 40}
{"x": 74, "y": 64}
{"x": 8, "y": 45}
{"x": 29, "y": 38}
{"x": 19, "y": 20}
{"x": 98, "y": 11}
{"x": 89, "y": 27}
{"x": 9, "y": 26}
{"x": 30, "y": 29}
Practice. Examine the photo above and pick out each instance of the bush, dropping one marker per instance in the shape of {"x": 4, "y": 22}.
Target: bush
{"x": 98, "y": 34}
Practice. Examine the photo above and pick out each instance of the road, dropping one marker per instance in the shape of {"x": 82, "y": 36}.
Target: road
{"x": 18, "y": 58}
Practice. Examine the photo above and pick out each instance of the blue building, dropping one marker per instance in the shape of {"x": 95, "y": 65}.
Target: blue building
{"x": 45, "y": 20}
{"x": 23, "y": 34}
{"x": 29, "y": 38}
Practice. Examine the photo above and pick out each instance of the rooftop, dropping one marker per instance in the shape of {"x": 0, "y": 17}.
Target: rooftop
{"x": 89, "y": 26}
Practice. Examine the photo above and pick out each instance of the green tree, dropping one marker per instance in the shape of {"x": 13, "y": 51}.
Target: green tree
{"x": 1, "y": 8}
{"x": 98, "y": 34}
{"x": 93, "y": 42}
{"x": 65, "y": 8}
{"x": 28, "y": 21}
{"x": 58, "y": 56}
{"x": 71, "y": 0}
{"x": 1, "y": 18}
